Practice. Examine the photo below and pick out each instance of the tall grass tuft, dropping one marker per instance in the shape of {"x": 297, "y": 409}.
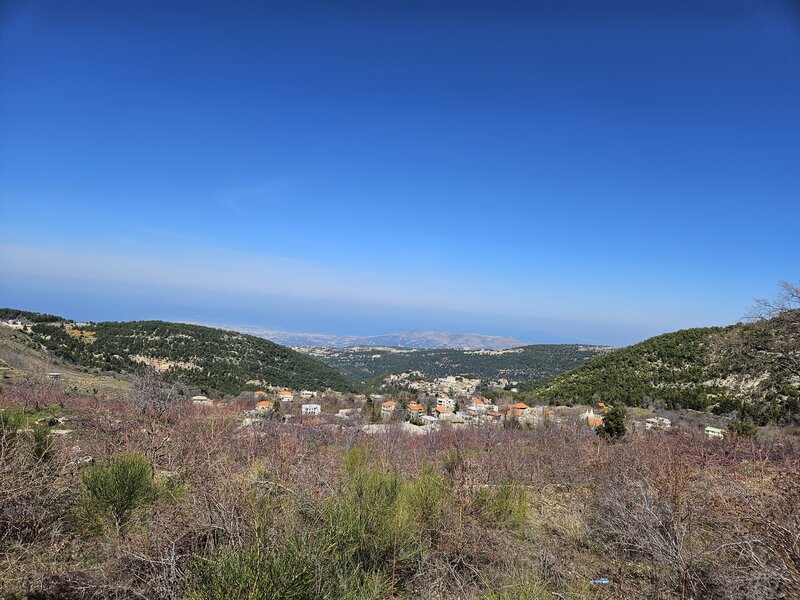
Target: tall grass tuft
{"x": 113, "y": 494}
{"x": 504, "y": 505}
{"x": 369, "y": 533}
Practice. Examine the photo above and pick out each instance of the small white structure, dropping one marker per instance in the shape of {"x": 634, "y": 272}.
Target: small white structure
{"x": 53, "y": 375}
{"x": 307, "y": 394}
{"x": 715, "y": 432}
{"x": 311, "y": 410}
{"x": 347, "y": 413}
{"x": 657, "y": 423}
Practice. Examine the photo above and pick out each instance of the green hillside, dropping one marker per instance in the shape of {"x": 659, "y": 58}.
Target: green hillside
{"x": 526, "y": 363}
{"x": 743, "y": 367}
{"x": 213, "y": 360}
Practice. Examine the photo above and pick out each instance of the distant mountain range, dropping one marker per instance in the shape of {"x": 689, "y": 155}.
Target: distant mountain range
{"x": 409, "y": 339}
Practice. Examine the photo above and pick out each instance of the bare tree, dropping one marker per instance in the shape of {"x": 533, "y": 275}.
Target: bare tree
{"x": 153, "y": 395}
{"x": 787, "y": 300}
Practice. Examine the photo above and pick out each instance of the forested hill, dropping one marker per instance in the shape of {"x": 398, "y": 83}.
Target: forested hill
{"x": 526, "y": 363}
{"x": 748, "y": 367}
{"x": 213, "y": 360}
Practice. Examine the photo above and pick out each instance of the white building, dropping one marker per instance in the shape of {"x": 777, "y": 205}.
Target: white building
{"x": 657, "y": 423}
{"x": 311, "y": 410}
{"x": 446, "y": 402}
{"x": 307, "y": 394}
{"x": 715, "y": 432}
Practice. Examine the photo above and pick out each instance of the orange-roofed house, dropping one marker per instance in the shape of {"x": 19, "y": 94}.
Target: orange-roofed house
{"x": 518, "y": 409}
{"x": 415, "y": 409}
{"x": 264, "y": 406}
{"x": 260, "y": 393}
{"x": 442, "y": 410}
{"x": 285, "y": 396}
{"x": 388, "y": 407}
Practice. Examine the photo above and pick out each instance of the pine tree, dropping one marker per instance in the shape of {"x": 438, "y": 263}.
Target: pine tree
{"x": 613, "y": 427}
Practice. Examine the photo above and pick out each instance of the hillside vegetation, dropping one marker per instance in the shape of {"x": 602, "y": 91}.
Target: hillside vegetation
{"x": 188, "y": 504}
{"x": 212, "y": 360}
{"x": 526, "y": 363}
{"x": 746, "y": 367}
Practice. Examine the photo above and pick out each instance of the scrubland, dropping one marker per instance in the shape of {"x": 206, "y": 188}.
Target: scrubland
{"x": 150, "y": 500}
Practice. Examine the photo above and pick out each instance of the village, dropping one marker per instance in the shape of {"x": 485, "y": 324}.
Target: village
{"x": 418, "y": 406}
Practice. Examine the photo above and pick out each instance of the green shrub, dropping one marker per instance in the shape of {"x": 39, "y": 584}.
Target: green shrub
{"x": 504, "y": 505}
{"x": 41, "y": 442}
{"x": 364, "y": 539}
{"x": 11, "y": 421}
{"x": 114, "y": 493}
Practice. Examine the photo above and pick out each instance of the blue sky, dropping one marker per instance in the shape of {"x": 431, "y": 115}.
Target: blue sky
{"x": 554, "y": 171}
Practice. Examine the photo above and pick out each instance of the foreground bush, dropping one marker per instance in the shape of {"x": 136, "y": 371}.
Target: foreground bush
{"x": 114, "y": 493}
{"x": 359, "y": 544}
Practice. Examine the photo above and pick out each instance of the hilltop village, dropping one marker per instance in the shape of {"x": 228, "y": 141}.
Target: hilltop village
{"x": 419, "y": 406}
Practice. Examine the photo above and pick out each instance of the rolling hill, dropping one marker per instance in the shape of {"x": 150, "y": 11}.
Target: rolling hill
{"x": 213, "y": 360}
{"x": 749, "y": 367}
{"x": 525, "y": 363}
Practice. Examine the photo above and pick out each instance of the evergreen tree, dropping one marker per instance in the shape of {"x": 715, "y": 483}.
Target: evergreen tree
{"x": 613, "y": 427}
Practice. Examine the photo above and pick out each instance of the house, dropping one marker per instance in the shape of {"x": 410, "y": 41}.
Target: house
{"x": 657, "y": 423}
{"x": 415, "y": 409}
{"x": 347, "y": 413}
{"x": 494, "y": 416}
{"x": 377, "y": 398}
{"x": 446, "y": 402}
{"x": 264, "y": 406}
{"x": 453, "y": 419}
{"x": 202, "y": 401}
{"x": 311, "y": 410}
{"x": 307, "y": 394}
{"x": 442, "y": 410}
{"x": 260, "y": 394}
{"x": 285, "y": 396}
{"x": 715, "y": 432}
{"x": 388, "y": 407}
{"x": 478, "y": 407}
{"x": 53, "y": 375}
{"x": 518, "y": 409}
{"x": 429, "y": 420}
